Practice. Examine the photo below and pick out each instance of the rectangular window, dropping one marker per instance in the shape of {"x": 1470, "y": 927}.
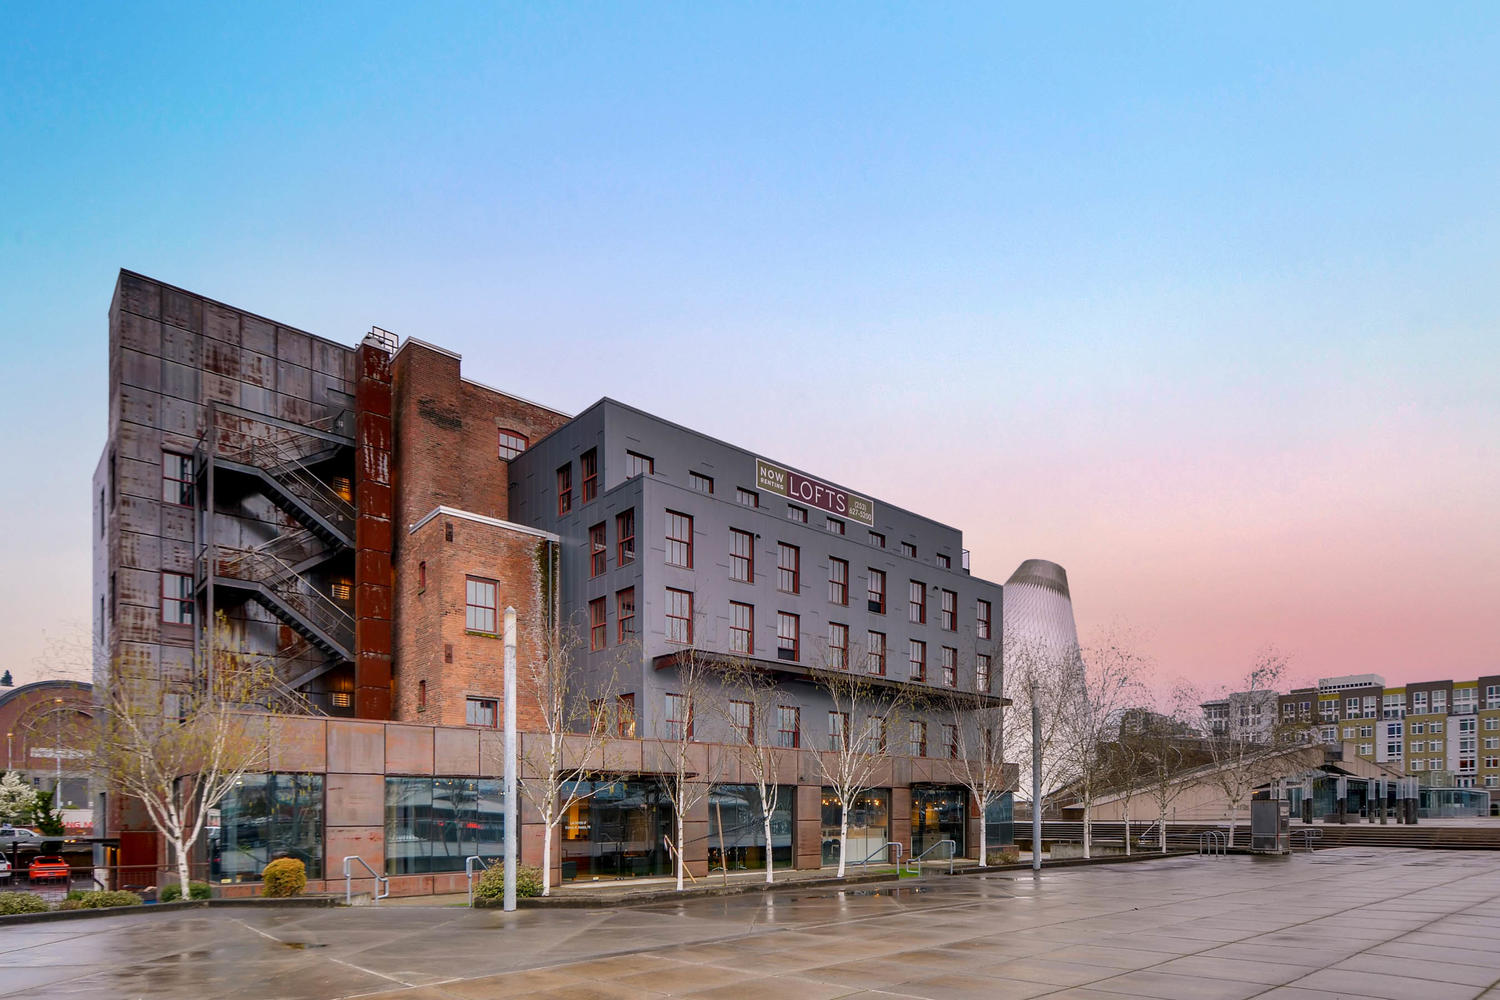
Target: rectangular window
{"x": 1440, "y": 701}
{"x": 679, "y": 540}
{"x": 481, "y": 611}
{"x": 679, "y": 608}
{"x": 908, "y": 550}
{"x": 876, "y": 591}
{"x": 788, "y": 726}
{"x": 918, "y": 739}
{"x": 944, "y": 562}
{"x": 625, "y": 537}
{"x": 948, "y": 610}
{"x": 916, "y": 611}
{"x": 982, "y": 624}
{"x": 741, "y": 628}
{"x": 875, "y": 734}
{"x": 176, "y": 478}
{"x": 746, "y": 498}
{"x": 788, "y": 568}
{"x": 481, "y": 711}
{"x": 422, "y": 575}
{"x": 788, "y": 637}
{"x": 625, "y": 716}
{"x": 1492, "y": 696}
{"x": 795, "y": 513}
{"x": 177, "y": 599}
{"x": 950, "y": 666}
{"x": 838, "y": 581}
{"x": 917, "y": 651}
{"x": 679, "y": 718}
{"x": 875, "y": 653}
{"x": 838, "y": 730}
{"x": 701, "y": 483}
{"x": 637, "y": 464}
{"x": 950, "y": 741}
{"x": 564, "y": 489}
{"x": 625, "y": 614}
{"x": 597, "y": 637}
{"x": 834, "y": 526}
{"x": 982, "y": 673}
{"x": 741, "y": 556}
{"x": 877, "y": 539}
{"x": 742, "y": 721}
{"x": 589, "y": 463}
{"x": 598, "y": 550}
{"x": 838, "y": 646}
{"x": 511, "y": 444}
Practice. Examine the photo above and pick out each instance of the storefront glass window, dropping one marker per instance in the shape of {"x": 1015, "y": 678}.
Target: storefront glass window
{"x": 938, "y": 813}
{"x": 264, "y": 817}
{"x": 736, "y": 828}
{"x": 999, "y": 823}
{"x": 869, "y": 825}
{"x": 433, "y": 824}
{"x": 616, "y": 831}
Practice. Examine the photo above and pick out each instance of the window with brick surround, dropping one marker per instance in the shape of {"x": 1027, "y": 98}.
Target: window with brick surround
{"x": 679, "y": 540}
{"x": 679, "y": 717}
{"x": 176, "y": 478}
{"x": 481, "y": 599}
{"x": 982, "y": 673}
{"x": 916, "y": 611}
{"x": 625, "y": 716}
{"x": 876, "y": 591}
{"x": 741, "y": 628}
{"x": 625, "y": 537}
{"x": 422, "y": 575}
{"x": 838, "y": 581}
{"x": 795, "y": 513}
{"x": 746, "y": 498}
{"x": 588, "y": 462}
{"x": 625, "y": 614}
{"x": 637, "y": 464}
{"x": 950, "y": 666}
{"x": 948, "y": 610}
{"x": 917, "y": 652}
{"x": 834, "y": 526}
{"x": 564, "y": 489}
{"x": 598, "y": 550}
{"x": 597, "y": 636}
{"x": 917, "y": 743}
{"x": 742, "y": 721}
{"x": 741, "y": 556}
{"x": 511, "y": 444}
{"x": 875, "y": 653}
{"x": 788, "y": 636}
{"x": 701, "y": 483}
{"x": 177, "y": 598}
{"x": 788, "y": 568}
{"x": 421, "y": 696}
{"x": 679, "y": 612}
{"x": 481, "y": 712}
{"x": 838, "y": 646}
{"x": 788, "y": 726}
{"x": 982, "y": 623}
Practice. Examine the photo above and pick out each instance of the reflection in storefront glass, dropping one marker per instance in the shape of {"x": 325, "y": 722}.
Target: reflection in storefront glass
{"x": 869, "y": 825}
{"x": 736, "y": 828}
{"x": 264, "y": 817}
{"x": 617, "y": 831}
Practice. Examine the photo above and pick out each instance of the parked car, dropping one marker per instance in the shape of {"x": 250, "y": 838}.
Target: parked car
{"x": 11, "y": 836}
{"x": 4, "y": 868}
{"x": 47, "y": 866}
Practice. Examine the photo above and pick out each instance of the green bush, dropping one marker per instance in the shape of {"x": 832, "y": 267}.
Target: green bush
{"x": 99, "y": 900}
{"x": 491, "y": 884}
{"x": 21, "y": 902}
{"x": 283, "y": 877}
{"x": 1007, "y": 855}
{"x": 172, "y": 892}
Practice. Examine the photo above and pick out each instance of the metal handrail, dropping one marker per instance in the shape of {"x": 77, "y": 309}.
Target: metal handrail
{"x": 1213, "y": 842}
{"x": 916, "y": 859}
{"x": 1308, "y": 834}
{"x": 882, "y": 849}
{"x": 349, "y": 880}
{"x": 469, "y": 872}
{"x": 259, "y": 566}
{"x": 282, "y": 462}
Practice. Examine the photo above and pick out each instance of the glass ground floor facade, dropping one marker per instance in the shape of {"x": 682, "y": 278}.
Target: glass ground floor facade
{"x": 265, "y": 817}
{"x": 616, "y": 829}
{"x": 737, "y": 831}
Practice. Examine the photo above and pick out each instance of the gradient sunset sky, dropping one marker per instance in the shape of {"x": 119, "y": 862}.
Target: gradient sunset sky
{"x": 1199, "y": 303}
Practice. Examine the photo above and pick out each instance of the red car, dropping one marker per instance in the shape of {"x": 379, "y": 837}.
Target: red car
{"x": 47, "y": 867}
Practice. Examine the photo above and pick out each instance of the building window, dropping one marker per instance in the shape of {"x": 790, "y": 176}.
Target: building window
{"x": 481, "y": 605}
{"x": 948, "y": 610}
{"x": 950, "y": 741}
{"x": 176, "y": 478}
{"x": 875, "y": 653}
{"x": 597, "y": 637}
{"x": 638, "y": 465}
{"x": 1492, "y": 696}
{"x": 982, "y": 624}
{"x": 264, "y": 816}
{"x": 917, "y": 651}
{"x": 877, "y": 539}
{"x": 950, "y": 666}
{"x": 788, "y": 726}
{"x": 625, "y": 716}
{"x": 177, "y": 598}
{"x": 589, "y": 463}
{"x": 679, "y": 608}
{"x": 511, "y": 444}
{"x": 481, "y": 711}
{"x": 598, "y": 550}
{"x": 917, "y": 739}
{"x": 679, "y": 717}
{"x": 944, "y": 562}
{"x": 982, "y": 673}
{"x": 838, "y": 581}
{"x": 741, "y": 556}
{"x": 564, "y": 489}
{"x": 875, "y": 734}
{"x": 834, "y": 526}
{"x": 908, "y": 550}
{"x": 679, "y": 540}
{"x": 838, "y": 730}
{"x": 742, "y": 721}
{"x": 625, "y": 614}
{"x": 421, "y": 696}
{"x": 701, "y": 483}
{"x": 421, "y": 576}
{"x": 795, "y": 513}
{"x": 788, "y": 568}
{"x": 788, "y": 636}
{"x": 916, "y": 611}
{"x": 838, "y": 646}
{"x": 625, "y": 537}
{"x": 741, "y": 628}
{"x": 876, "y": 591}
{"x": 746, "y": 498}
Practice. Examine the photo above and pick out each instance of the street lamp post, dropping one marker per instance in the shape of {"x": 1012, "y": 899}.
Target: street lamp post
{"x": 57, "y": 749}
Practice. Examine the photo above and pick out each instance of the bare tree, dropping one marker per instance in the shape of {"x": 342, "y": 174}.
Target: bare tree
{"x": 1094, "y": 702}
{"x": 1241, "y": 745}
{"x": 749, "y": 710}
{"x": 685, "y": 767}
{"x": 1165, "y": 748}
{"x": 978, "y": 723}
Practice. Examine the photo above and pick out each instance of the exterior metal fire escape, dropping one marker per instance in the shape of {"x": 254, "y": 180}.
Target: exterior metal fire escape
{"x": 295, "y": 468}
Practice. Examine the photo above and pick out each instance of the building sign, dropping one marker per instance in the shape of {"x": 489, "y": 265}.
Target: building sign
{"x": 795, "y": 486}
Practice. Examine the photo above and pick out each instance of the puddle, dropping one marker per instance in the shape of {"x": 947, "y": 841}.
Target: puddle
{"x": 301, "y": 945}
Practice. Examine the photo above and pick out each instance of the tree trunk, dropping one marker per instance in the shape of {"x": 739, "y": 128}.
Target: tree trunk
{"x": 1127, "y": 826}
{"x": 1163, "y": 824}
{"x": 844, "y": 837}
{"x": 769, "y": 861}
{"x": 1233, "y": 808}
{"x": 1087, "y": 830}
{"x": 546, "y": 856}
{"x": 983, "y": 845}
{"x": 182, "y": 868}
{"x": 679, "y": 848}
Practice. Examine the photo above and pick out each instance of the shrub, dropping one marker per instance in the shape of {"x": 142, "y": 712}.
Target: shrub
{"x": 172, "y": 892}
{"x": 283, "y": 877}
{"x": 99, "y": 900}
{"x": 491, "y": 884}
{"x": 21, "y": 902}
{"x": 1007, "y": 855}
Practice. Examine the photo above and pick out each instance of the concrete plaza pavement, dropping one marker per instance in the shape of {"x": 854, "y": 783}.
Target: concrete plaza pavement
{"x": 1382, "y": 923}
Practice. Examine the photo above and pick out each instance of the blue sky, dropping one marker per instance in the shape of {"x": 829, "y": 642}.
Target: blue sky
{"x": 1187, "y": 299}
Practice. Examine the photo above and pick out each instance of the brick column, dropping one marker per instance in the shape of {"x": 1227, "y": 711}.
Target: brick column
{"x": 372, "y": 530}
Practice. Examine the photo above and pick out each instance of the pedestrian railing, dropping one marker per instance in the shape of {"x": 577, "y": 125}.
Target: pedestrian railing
{"x": 914, "y": 866}
{"x": 1213, "y": 842}
{"x": 884, "y": 849}
{"x": 380, "y": 880}
{"x": 1309, "y": 835}
{"x": 469, "y": 863}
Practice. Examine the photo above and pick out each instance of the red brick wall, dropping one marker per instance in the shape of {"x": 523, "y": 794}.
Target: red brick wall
{"x": 372, "y": 535}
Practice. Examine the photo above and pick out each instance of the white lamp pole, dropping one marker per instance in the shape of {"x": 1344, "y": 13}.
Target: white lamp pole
{"x": 511, "y": 819}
